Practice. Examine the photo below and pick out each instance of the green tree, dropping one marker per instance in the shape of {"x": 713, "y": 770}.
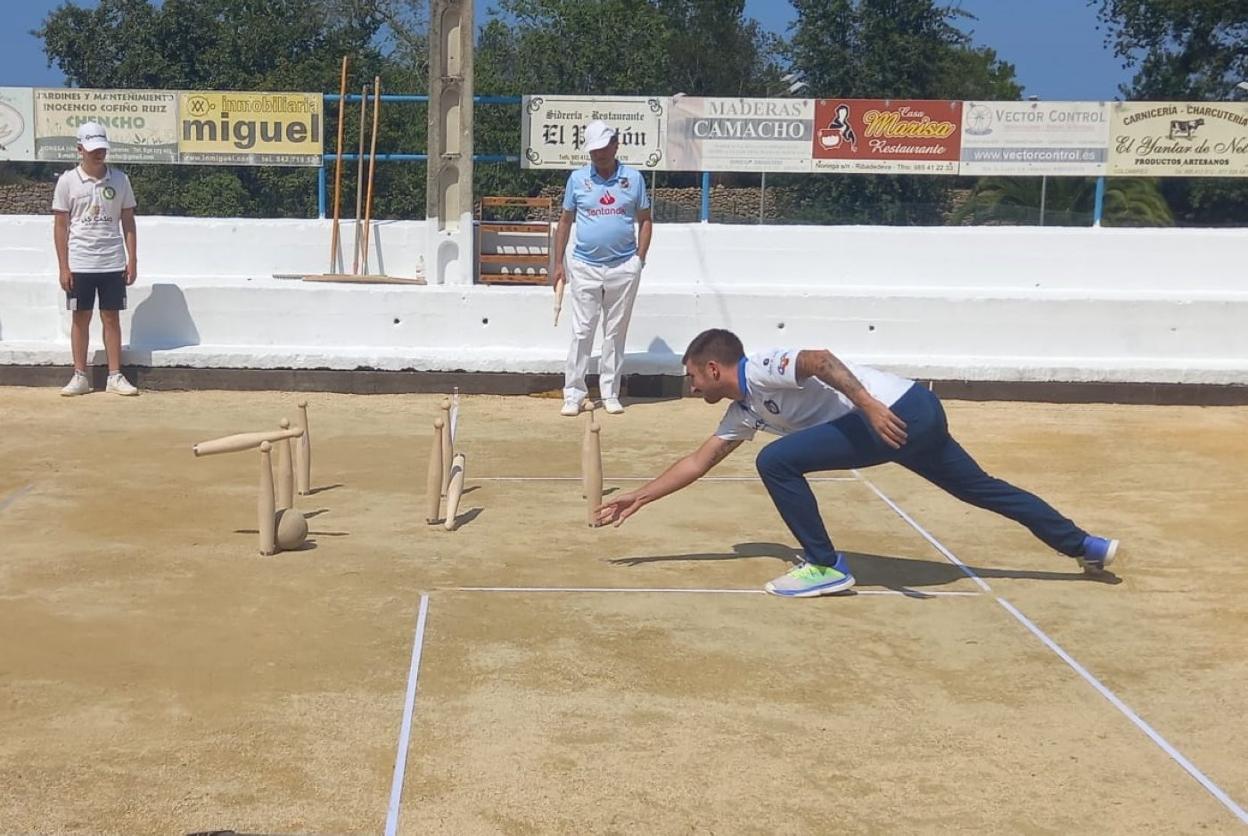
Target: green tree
{"x": 910, "y": 49}
{"x": 218, "y": 45}
{"x": 1069, "y": 201}
{"x": 609, "y": 47}
{"x": 1185, "y": 50}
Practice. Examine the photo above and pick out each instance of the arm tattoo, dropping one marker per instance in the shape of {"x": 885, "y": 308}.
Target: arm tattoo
{"x": 834, "y": 373}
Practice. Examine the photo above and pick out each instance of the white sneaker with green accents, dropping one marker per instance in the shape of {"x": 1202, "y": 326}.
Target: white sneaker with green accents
{"x": 809, "y": 580}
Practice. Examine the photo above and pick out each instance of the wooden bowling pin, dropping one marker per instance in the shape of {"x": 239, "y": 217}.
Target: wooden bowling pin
{"x": 454, "y": 491}
{"x": 448, "y": 448}
{"x": 303, "y": 455}
{"x": 241, "y": 441}
{"x": 586, "y": 445}
{"x": 433, "y": 483}
{"x": 285, "y": 471}
{"x": 265, "y": 511}
{"x": 593, "y": 476}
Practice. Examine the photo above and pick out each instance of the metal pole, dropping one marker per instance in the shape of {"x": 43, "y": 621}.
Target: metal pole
{"x": 1044, "y": 183}
{"x": 762, "y": 197}
{"x": 1100, "y": 201}
{"x": 706, "y": 197}
{"x": 320, "y": 190}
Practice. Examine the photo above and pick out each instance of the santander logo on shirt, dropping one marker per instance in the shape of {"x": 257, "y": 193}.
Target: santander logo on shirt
{"x": 607, "y": 207}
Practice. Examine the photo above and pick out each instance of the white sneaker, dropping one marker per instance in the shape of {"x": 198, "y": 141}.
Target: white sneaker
{"x": 613, "y": 406}
{"x": 78, "y": 385}
{"x": 571, "y": 409}
{"x": 118, "y": 385}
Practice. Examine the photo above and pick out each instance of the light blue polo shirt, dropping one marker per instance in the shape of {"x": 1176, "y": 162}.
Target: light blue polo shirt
{"x": 605, "y": 212}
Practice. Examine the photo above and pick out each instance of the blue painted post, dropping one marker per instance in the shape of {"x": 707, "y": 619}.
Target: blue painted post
{"x": 706, "y": 197}
{"x": 1100, "y": 201}
{"x": 320, "y": 190}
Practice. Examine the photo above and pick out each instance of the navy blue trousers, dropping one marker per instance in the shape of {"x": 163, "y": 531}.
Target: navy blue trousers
{"x": 849, "y": 442}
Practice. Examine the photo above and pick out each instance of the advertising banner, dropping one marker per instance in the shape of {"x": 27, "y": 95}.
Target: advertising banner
{"x": 896, "y": 136}
{"x": 740, "y": 134}
{"x": 552, "y": 129}
{"x": 1034, "y": 138}
{"x": 227, "y": 128}
{"x": 17, "y": 123}
{"x": 141, "y": 124}
{"x": 1178, "y": 139}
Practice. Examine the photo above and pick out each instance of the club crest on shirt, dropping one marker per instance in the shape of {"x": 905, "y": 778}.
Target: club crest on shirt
{"x": 784, "y": 364}
{"x": 623, "y": 182}
{"x": 587, "y": 185}
{"x": 109, "y": 193}
{"x": 772, "y": 406}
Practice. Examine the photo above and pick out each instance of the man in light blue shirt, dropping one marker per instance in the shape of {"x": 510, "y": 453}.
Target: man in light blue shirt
{"x": 605, "y": 198}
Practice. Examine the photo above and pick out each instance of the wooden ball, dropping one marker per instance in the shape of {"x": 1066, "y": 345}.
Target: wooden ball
{"x": 292, "y": 529}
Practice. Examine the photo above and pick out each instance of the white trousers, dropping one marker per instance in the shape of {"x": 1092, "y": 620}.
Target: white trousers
{"x": 598, "y": 291}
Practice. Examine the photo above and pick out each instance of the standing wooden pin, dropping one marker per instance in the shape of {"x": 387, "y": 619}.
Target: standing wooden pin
{"x": 303, "y": 455}
{"x": 588, "y": 406}
{"x": 448, "y": 446}
{"x": 433, "y": 483}
{"x": 285, "y": 471}
{"x": 454, "y": 491}
{"x": 266, "y": 513}
{"x": 593, "y": 479}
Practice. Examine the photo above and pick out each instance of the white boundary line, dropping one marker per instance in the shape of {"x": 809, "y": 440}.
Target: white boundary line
{"x": 1190, "y": 767}
{"x": 405, "y": 730}
{"x": 1109, "y": 695}
{"x": 520, "y": 589}
{"x": 15, "y": 496}
{"x": 643, "y": 479}
{"x": 950, "y": 556}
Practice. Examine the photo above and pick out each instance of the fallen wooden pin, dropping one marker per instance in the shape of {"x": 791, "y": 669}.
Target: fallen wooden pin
{"x": 360, "y": 279}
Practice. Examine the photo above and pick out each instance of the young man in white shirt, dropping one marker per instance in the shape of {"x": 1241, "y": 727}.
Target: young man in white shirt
{"x": 837, "y": 416}
{"x": 97, "y": 248}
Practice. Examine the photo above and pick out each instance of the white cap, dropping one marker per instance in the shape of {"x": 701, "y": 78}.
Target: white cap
{"x": 92, "y": 136}
{"x": 598, "y": 135}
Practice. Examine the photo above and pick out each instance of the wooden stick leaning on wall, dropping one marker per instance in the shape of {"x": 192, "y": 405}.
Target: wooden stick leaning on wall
{"x": 359, "y": 182}
{"x": 342, "y": 95}
{"x": 372, "y": 166}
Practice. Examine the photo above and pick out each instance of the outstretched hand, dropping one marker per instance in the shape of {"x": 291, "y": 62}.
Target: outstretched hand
{"x": 889, "y": 427}
{"x": 619, "y": 509}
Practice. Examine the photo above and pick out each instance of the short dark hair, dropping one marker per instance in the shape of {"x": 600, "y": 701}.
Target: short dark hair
{"x": 716, "y": 344}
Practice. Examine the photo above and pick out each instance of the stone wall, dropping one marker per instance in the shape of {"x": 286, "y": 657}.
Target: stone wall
{"x": 685, "y": 204}
{"x": 26, "y": 199}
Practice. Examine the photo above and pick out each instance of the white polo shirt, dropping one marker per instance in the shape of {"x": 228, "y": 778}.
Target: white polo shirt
{"x": 96, "y": 244}
{"x": 775, "y": 402}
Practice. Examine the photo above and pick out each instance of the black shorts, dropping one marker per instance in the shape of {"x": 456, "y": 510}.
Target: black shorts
{"x": 111, "y": 288}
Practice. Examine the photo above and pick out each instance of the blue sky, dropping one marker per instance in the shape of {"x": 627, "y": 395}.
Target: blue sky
{"x": 1054, "y": 44}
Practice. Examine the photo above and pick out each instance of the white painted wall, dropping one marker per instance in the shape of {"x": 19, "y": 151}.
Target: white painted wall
{"x": 998, "y": 303}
